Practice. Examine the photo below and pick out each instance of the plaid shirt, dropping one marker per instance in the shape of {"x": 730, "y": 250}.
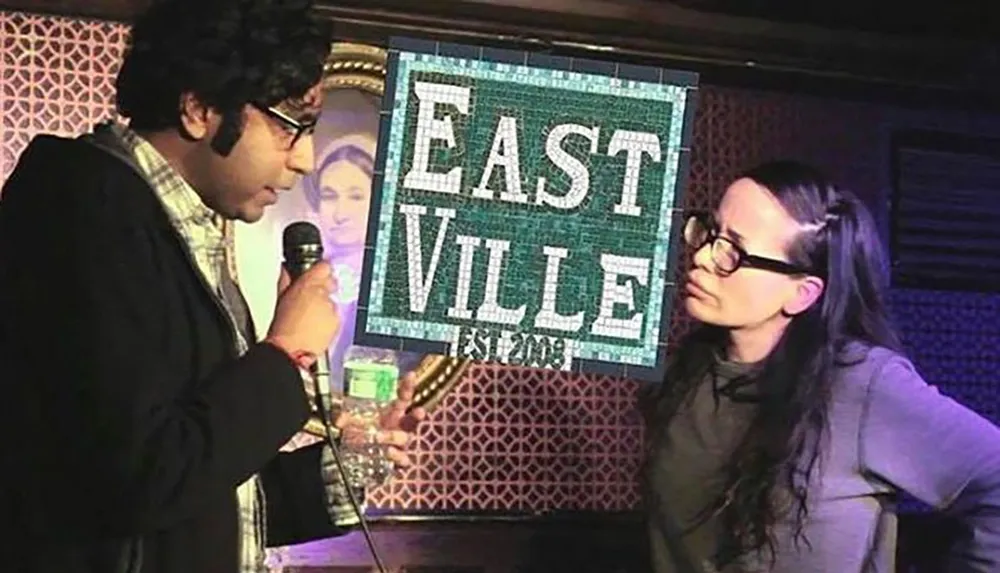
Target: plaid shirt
{"x": 204, "y": 234}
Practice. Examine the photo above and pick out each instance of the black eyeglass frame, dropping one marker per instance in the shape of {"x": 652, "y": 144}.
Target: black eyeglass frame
{"x": 743, "y": 259}
{"x": 292, "y": 126}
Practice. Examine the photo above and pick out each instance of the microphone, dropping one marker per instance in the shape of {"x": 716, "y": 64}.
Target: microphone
{"x": 302, "y": 246}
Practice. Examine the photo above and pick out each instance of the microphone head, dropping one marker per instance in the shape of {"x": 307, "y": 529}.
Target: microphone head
{"x": 301, "y": 233}
{"x": 302, "y": 243}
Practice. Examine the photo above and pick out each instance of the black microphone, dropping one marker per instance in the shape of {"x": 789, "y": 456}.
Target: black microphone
{"x": 303, "y": 248}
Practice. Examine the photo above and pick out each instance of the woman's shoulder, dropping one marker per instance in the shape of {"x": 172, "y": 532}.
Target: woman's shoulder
{"x": 861, "y": 366}
{"x": 855, "y": 354}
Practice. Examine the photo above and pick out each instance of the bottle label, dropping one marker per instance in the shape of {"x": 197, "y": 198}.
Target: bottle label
{"x": 371, "y": 381}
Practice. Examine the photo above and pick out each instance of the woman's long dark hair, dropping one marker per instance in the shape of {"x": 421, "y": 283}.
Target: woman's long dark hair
{"x": 780, "y": 452}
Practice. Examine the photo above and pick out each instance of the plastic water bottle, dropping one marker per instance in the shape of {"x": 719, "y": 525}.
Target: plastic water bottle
{"x": 371, "y": 376}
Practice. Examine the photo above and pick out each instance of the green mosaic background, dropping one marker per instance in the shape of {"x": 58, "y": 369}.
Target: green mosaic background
{"x": 540, "y": 100}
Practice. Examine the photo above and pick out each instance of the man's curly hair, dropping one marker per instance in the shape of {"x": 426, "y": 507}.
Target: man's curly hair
{"x": 227, "y": 53}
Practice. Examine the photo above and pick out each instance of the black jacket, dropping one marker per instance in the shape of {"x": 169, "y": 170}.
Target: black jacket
{"x": 129, "y": 421}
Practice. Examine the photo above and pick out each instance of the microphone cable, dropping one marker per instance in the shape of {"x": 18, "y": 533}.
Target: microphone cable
{"x": 331, "y": 441}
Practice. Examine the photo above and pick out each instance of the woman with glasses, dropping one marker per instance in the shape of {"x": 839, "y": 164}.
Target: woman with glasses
{"x": 790, "y": 420}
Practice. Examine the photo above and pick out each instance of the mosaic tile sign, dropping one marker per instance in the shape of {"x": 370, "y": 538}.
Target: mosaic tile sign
{"x": 525, "y": 209}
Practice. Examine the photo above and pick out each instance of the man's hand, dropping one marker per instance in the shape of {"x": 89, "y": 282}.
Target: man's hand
{"x": 305, "y": 319}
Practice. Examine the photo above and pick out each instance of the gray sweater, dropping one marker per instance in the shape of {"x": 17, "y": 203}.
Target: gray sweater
{"x": 890, "y": 432}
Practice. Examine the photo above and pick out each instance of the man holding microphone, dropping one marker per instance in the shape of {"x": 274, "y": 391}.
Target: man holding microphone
{"x": 143, "y": 420}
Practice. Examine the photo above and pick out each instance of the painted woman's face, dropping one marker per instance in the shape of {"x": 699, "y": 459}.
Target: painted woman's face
{"x": 345, "y": 196}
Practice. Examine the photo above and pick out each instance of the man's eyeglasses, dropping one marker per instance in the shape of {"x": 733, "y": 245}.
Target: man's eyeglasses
{"x": 700, "y": 230}
{"x": 293, "y": 128}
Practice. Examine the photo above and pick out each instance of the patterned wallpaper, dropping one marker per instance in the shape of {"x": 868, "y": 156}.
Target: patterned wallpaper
{"x": 514, "y": 440}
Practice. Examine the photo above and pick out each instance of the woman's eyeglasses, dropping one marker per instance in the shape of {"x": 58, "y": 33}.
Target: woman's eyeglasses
{"x": 700, "y": 230}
